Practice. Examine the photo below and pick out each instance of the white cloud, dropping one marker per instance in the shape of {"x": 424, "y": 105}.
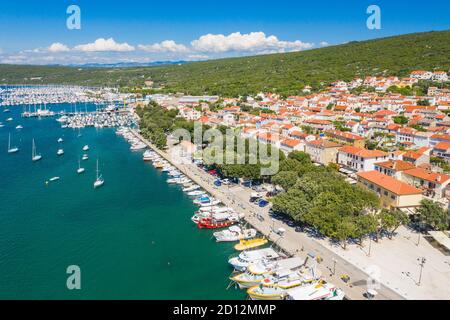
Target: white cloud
{"x": 102, "y": 45}
{"x": 198, "y": 57}
{"x": 58, "y": 47}
{"x": 324, "y": 44}
{"x": 165, "y": 46}
{"x": 251, "y": 42}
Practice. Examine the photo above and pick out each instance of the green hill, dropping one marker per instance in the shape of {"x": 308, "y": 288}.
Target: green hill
{"x": 284, "y": 73}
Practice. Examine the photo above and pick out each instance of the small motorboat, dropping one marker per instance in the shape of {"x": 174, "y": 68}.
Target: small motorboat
{"x": 250, "y": 244}
{"x": 86, "y": 148}
{"x": 246, "y": 258}
{"x": 60, "y": 140}
{"x": 85, "y": 157}
{"x": 19, "y": 127}
{"x": 60, "y": 152}
{"x": 54, "y": 179}
{"x": 234, "y": 233}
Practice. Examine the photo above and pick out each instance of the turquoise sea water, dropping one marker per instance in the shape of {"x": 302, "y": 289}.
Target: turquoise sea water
{"x": 132, "y": 239}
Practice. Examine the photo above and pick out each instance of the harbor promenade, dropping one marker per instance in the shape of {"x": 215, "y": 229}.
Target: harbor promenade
{"x": 332, "y": 266}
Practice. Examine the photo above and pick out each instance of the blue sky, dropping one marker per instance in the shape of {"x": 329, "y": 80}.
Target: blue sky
{"x": 140, "y": 30}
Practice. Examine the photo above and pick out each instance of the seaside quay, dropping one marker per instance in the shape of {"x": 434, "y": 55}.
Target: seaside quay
{"x": 332, "y": 266}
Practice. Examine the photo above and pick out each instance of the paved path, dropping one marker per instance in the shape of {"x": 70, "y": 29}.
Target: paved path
{"x": 295, "y": 243}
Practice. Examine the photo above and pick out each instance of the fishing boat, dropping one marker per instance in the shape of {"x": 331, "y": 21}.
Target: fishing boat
{"x": 80, "y": 169}
{"x": 275, "y": 286}
{"x": 215, "y": 223}
{"x": 99, "y": 181}
{"x": 34, "y": 155}
{"x": 250, "y": 244}
{"x": 60, "y": 152}
{"x": 11, "y": 149}
{"x": 234, "y": 233}
{"x": 246, "y": 258}
{"x": 86, "y": 148}
{"x": 320, "y": 290}
{"x": 257, "y": 272}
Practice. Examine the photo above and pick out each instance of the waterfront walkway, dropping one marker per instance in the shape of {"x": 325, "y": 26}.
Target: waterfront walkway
{"x": 332, "y": 266}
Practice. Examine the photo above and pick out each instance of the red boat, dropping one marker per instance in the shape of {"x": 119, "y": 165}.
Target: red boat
{"x": 214, "y": 224}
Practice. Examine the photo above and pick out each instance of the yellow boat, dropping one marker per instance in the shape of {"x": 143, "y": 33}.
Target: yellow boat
{"x": 250, "y": 244}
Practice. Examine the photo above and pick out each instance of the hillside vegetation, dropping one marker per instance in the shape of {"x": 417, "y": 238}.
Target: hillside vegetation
{"x": 284, "y": 73}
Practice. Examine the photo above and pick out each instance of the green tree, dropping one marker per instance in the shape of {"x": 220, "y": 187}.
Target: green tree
{"x": 391, "y": 220}
{"x": 433, "y": 215}
{"x": 285, "y": 179}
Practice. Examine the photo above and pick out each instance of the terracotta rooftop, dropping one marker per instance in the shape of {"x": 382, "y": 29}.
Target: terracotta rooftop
{"x": 364, "y": 153}
{"x": 428, "y": 176}
{"x": 389, "y": 183}
{"x": 397, "y": 165}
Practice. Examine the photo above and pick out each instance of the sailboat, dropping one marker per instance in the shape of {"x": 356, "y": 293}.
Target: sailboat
{"x": 34, "y": 156}
{"x": 11, "y": 150}
{"x": 99, "y": 182}
{"x": 80, "y": 169}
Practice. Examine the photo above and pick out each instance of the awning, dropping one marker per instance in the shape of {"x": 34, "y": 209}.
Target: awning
{"x": 441, "y": 237}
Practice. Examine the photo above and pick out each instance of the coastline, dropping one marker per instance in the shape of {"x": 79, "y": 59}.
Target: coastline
{"x": 332, "y": 266}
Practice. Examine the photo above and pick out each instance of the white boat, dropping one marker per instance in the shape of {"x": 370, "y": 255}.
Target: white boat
{"x": 19, "y": 127}
{"x": 196, "y": 193}
{"x": 234, "y": 233}
{"x": 13, "y": 149}
{"x": 60, "y": 152}
{"x": 54, "y": 179}
{"x": 60, "y": 140}
{"x": 86, "y": 148}
{"x": 210, "y": 204}
{"x": 80, "y": 169}
{"x": 85, "y": 157}
{"x": 34, "y": 155}
{"x": 99, "y": 181}
{"x": 257, "y": 272}
{"x": 275, "y": 286}
{"x": 246, "y": 258}
{"x": 317, "y": 291}
{"x": 9, "y": 119}
{"x": 191, "y": 188}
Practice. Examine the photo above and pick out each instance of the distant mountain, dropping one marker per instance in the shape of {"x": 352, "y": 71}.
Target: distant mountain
{"x": 285, "y": 73}
{"x": 127, "y": 64}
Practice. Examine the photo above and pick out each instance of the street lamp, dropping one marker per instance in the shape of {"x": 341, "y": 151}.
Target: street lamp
{"x": 421, "y": 261}
{"x": 370, "y": 245}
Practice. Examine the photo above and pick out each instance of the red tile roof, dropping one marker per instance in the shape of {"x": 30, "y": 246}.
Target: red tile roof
{"x": 428, "y": 176}
{"x": 364, "y": 153}
{"x": 389, "y": 183}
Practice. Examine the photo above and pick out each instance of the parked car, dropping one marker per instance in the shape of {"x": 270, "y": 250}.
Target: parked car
{"x": 263, "y": 203}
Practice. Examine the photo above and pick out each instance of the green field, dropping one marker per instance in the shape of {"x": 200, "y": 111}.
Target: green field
{"x": 284, "y": 73}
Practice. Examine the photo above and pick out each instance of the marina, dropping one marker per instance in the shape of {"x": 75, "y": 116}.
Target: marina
{"x": 119, "y": 229}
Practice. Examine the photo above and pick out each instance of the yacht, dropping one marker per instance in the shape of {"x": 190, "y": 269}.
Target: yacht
{"x": 246, "y": 258}
{"x": 191, "y": 188}
{"x": 99, "y": 181}
{"x": 34, "y": 155}
{"x": 60, "y": 152}
{"x": 80, "y": 169}
{"x": 13, "y": 149}
{"x": 86, "y": 148}
{"x": 196, "y": 193}
{"x": 234, "y": 233}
